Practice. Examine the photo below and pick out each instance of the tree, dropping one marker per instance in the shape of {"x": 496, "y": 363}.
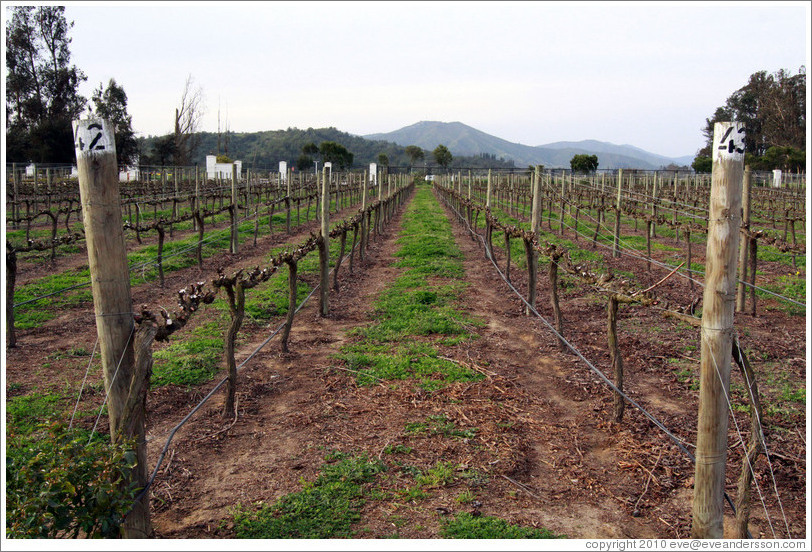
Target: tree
{"x": 383, "y": 160}
{"x": 584, "y": 163}
{"x": 164, "y": 150}
{"x": 702, "y": 164}
{"x": 187, "y": 119}
{"x": 42, "y": 97}
{"x": 335, "y": 153}
{"x": 772, "y": 108}
{"x": 111, "y": 104}
{"x": 442, "y": 156}
{"x": 304, "y": 162}
{"x": 415, "y": 153}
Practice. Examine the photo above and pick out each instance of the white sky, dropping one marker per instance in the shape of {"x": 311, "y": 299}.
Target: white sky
{"x": 646, "y": 74}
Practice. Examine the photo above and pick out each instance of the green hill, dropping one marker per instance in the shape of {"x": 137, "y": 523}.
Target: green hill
{"x": 264, "y": 150}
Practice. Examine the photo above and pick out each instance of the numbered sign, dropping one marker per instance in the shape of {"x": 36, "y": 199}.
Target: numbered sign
{"x": 93, "y": 136}
{"x": 283, "y": 171}
{"x": 728, "y": 141}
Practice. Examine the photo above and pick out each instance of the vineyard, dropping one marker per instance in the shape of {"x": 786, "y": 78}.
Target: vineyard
{"x": 457, "y": 373}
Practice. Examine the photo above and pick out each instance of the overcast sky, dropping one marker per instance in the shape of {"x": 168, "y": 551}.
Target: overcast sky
{"x": 645, "y": 74}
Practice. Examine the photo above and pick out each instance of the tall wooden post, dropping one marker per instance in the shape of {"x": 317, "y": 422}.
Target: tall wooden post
{"x": 652, "y": 232}
{"x": 724, "y": 224}
{"x": 616, "y": 246}
{"x": 743, "y": 249}
{"x": 324, "y": 250}
{"x": 532, "y": 254}
{"x": 234, "y": 218}
{"x": 197, "y": 195}
{"x": 110, "y": 283}
{"x": 535, "y": 219}
{"x": 488, "y": 196}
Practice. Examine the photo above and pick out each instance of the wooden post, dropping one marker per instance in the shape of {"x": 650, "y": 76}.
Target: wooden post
{"x": 743, "y": 249}
{"x": 532, "y": 254}
{"x": 535, "y": 221}
{"x": 324, "y": 247}
{"x": 234, "y": 219}
{"x": 110, "y": 283}
{"x": 616, "y": 246}
{"x": 563, "y": 201}
{"x": 652, "y": 232}
{"x": 724, "y": 222}
{"x": 488, "y": 196}
{"x": 364, "y": 237}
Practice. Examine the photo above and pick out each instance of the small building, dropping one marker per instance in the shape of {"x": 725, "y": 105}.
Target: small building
{"x": 128, "y": 174}
{"x": 223, "y": 171}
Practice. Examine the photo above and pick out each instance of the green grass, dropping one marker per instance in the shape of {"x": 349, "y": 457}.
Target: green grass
{"x": 466, "y": 526}
{"x": 325, "y": 508}
{"x": 792, "y": 286}
{"x": 193, "y": 360}
{"x": 177, "y": 255}
{"x": 417, "y": 311}
{"x": 26, "y": 413}
{"x": 440, "y": 425}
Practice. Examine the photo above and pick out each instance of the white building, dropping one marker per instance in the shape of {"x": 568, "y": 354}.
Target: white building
{"x": 221, "y": 170}
{"x": 129, "y": 173}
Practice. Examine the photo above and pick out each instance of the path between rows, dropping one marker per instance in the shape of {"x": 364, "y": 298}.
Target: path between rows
{"x": 558, "y": 470}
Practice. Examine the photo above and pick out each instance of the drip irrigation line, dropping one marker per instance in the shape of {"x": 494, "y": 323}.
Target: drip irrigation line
{"x": 153, "y": 262}
{"x": 655, "y": 421}
{"x": 625, "y": 248}
{"x": 572, "y": 347}
{"x": 223, "y": 381}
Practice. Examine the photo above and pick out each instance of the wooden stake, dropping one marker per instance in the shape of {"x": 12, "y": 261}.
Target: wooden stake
{"x": 110, "y": 283}
{"x": 324, "y": 244}
{"x": 234, "y": 236}
{"x": 724, "y": 222}
{"x": 488, "y": 197}
{"x": 616, "y": 246}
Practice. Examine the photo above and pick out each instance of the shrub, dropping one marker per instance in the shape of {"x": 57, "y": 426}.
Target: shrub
{"x": 60, "y": 485}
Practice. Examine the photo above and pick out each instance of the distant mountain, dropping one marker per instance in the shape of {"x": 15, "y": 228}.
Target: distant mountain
{"x": 462, "y": 139}
{"x": 596, "y": 147}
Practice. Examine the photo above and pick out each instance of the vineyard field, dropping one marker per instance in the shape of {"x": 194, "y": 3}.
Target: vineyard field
{"x": 429, "y": 402}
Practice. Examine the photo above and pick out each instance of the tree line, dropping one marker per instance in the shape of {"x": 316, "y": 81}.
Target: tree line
{"x": 772, "y": 107}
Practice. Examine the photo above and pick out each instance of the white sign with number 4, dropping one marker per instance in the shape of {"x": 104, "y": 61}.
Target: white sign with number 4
{"x": 728, "y": 141}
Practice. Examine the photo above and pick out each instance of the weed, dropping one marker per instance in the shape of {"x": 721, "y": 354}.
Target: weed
{"x": 325, "y": 508}
{"x": 397, "y": 449}
{"x": 440, "y": 425}
{"x": 465, "y": 497}
{"x": 466, "y": 526}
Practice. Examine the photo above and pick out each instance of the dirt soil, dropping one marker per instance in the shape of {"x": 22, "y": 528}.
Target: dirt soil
{"x": 554, "y": 457}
